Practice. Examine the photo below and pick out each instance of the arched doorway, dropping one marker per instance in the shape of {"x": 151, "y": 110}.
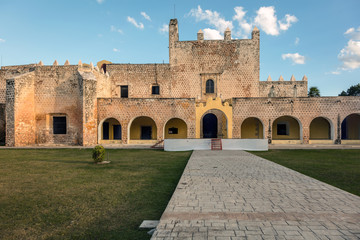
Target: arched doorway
{"x": 175, "y": 128}
{"x": 252, "y": 128}
{"x": 210, "y": 126}
{"x": 286, "y": 128}
{"x": 350, "y": 127}
{"x": 320, "y": 129}
{"x": 111, "y": 129}
{"x": 143, "y": 128}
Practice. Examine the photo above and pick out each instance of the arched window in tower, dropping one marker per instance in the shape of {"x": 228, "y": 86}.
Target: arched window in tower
{"x": 210, "y": 86}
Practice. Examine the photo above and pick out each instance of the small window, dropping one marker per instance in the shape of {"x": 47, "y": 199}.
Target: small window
{"x": 155, "y": 90}
{"x": 124, "y": 91}
{"x": 59, "y": 125}
{"x": 282, "y": 129}
{"x": 173, "y": 130}
{"x": 210, "y": 86}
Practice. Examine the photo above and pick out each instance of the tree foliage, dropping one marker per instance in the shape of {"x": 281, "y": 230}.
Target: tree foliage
{"x": 352, "y": 91}
{"x": 314, "y": 92}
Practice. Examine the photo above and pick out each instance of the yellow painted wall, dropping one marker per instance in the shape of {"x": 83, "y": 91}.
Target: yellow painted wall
{"x": 353, "y": 127}
{"x": 111, "y": 122}
{"x": 180, "y": 125}
{"x": 216, "y": 103}
{"x": 319, "y": 129}
{"x": 252, "y": 128}
{"x": 135, "y": 129}
{"x": 224, "y": 126}
{"x": 294, "y": 129}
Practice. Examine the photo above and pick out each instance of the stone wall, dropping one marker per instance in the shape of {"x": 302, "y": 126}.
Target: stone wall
{"x": 58, "y": 92}
{"x": 160, "y": 110}
{"x": 2, "y": 124}
{"x": 7, "y": 72}
{"x": 140, "y": 78}
{"x": 303, "y": 109}
{"x": 20, "y": 115}
{"x": 232, "y": 64}
{"x": 283, "y": 89}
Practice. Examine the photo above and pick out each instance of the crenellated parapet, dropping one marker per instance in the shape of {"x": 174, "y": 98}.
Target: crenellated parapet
{"x": 282, "y": 88}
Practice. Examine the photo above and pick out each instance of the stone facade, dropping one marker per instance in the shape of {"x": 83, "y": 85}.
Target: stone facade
{"x": 144, "y": 103}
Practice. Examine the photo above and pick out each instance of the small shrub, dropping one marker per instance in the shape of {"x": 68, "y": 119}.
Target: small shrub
{"x": 98, "y": 153}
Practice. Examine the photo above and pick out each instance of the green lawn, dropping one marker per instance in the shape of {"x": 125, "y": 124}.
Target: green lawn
{"x": 340, "y": 168}
{"x": 61, "y": 194}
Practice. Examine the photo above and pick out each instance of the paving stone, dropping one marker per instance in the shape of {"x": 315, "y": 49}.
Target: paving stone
{"x": 241, "y": 196}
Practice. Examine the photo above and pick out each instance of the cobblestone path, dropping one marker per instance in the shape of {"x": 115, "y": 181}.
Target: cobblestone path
{"x": 237, "y": 195}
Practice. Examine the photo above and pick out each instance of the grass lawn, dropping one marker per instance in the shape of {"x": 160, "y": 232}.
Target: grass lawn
{"x": 337, "y": 167}
{"x": 61, "y": 194}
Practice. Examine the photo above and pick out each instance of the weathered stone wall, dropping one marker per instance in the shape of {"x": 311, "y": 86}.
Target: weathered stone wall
{"x": 2, "y": 87}
{"x": 283, "y": 89}
{"x": 160, "y": 110}
{"x": 302, "y": 109}
{"x": 2, "y": 124}
{"x": 7, "y": 72}
{"x": 58, "y": 92}
{"x": 140, "y": 78}
{"x": 232, "y": 64}
{"x": 20, "y": 115}
{"x": 89, "y": 106}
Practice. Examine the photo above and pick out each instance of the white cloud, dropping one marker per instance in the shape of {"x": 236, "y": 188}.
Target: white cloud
{"x": 297, "y": 41}
{"x": 211, "y": 34}
{"x": 100, "y": 1}
{"x": 266, "y": 19}
{"x": 350, "y": 30}
{"x": 147, "y": 17}
{"x": 335, "y": 72}
{"x": 350, "y": 54}
{"x": 136, "y": 24}
{"x": 289, "y": 19}
{"x": 212, "y": 18}
{"x": 296, "y": 58}
{"x": 115, "y": 29}
{"x": 2, "y": 40}
{"x": 164, "y": 29}
{"x": 245, "y": 27}
{"x": 353, "y": 34}
{"x": 116, "y": 50}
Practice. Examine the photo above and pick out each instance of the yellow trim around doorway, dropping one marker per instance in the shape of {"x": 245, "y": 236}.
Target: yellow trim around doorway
{"x": 214, "y": 103}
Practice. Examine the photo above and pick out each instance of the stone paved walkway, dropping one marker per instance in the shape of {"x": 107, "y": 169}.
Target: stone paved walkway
{"x": 237, "y": 195}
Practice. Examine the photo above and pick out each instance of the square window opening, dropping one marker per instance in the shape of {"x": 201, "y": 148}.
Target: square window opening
{"x": 155, "y": 90}
{"x": 282, "y": 129}
{"x": 173, "y": 130}
{"x": 124, "y": 91}
{"x": 59, "y": 125}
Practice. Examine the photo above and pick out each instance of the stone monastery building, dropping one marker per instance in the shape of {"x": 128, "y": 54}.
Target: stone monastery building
{"x": 209, "y": 89}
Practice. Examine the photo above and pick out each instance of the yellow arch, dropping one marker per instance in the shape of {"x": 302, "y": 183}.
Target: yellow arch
{"x": 214, "y": 103}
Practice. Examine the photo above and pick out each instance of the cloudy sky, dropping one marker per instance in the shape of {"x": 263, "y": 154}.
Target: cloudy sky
{"x": 320, "y": 39}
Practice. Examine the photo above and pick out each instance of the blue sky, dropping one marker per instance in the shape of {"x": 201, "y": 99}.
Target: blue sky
{"x": 320, "y": 39}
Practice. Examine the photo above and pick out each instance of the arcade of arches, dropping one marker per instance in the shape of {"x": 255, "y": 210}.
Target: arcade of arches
{"x": 214, "y": 124}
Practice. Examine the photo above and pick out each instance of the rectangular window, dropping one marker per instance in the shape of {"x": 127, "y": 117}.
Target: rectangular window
{"x": 155, "y": 90}
{"x": 173, "y": 130}
{"x": 146, "y": 132}
{"x": 59, "y": 125}
{"x": 124, "y": 91}
{"x": 282, "y": 129}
